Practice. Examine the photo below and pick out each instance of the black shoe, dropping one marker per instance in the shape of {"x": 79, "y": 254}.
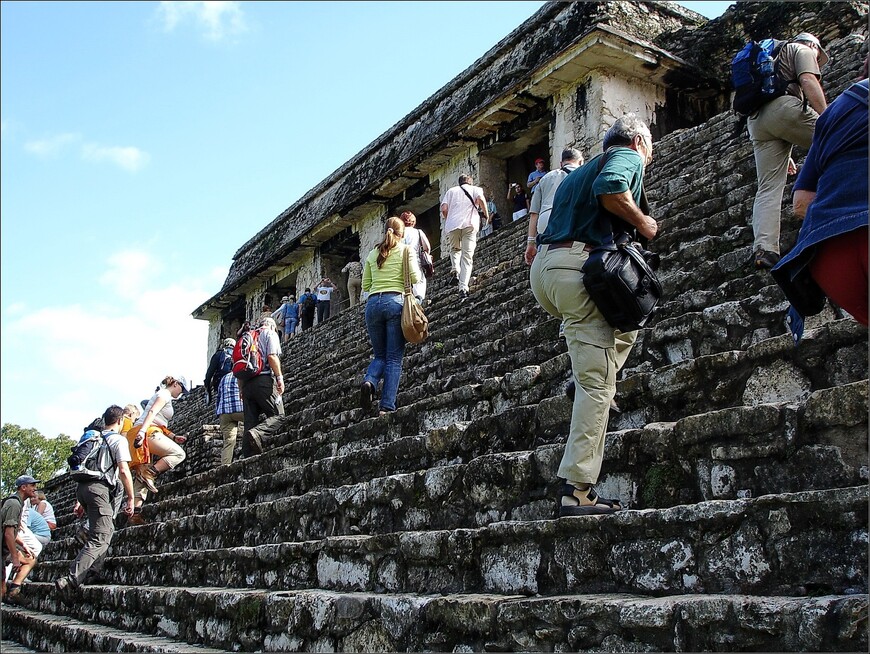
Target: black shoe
{"x": 255, "y": 445}
{"x": 454, "y": 278}
{"x": 765, "y": 259}
{"x": 366, "y": 393}
{"x": 13, "y": 592}
{"x": 66, "y": 588}
{"x": 463, "y": 295}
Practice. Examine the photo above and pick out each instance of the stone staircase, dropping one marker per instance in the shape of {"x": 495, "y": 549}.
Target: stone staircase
{"x": 742, "y": 460}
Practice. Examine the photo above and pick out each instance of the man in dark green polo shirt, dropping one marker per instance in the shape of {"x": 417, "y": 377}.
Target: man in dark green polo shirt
{"x": 597, "y": 350}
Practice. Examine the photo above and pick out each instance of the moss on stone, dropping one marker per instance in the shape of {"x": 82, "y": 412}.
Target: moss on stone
{"x": 662, "y": 485}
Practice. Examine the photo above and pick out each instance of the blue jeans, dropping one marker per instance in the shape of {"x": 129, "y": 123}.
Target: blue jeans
{"x": 384, "y": 323}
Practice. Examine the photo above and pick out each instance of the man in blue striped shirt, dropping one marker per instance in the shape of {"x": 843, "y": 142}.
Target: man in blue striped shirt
{"x": 230, "y": 410}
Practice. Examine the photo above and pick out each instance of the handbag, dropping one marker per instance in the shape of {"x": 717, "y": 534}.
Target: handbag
{"x": 426, "y": 263}
{"x": 415, "y": 324}
{"x": 620, "y": 278}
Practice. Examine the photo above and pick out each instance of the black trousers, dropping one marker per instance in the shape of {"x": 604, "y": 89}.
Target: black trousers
{"x": 259, "y": 397}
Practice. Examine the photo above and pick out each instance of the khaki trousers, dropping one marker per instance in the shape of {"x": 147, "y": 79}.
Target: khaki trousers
{"x": 462, "y": 245}
{"x": 165, "y": 448}
{"x": 597, "y": 352}
{"x": 230, "y": 423}
{"x": 779, "y": 125}
{"x": 354, "y": 288}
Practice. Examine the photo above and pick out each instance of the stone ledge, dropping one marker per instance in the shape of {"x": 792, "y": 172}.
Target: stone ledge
{"x": 323, "y": 620}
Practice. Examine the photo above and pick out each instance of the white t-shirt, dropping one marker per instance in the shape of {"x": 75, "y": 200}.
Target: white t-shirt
{"x": 164, "y": 415}
{"x": 324, "y": 293}
{"x": 120, "y": 449}
{"x": 461, "y": 212}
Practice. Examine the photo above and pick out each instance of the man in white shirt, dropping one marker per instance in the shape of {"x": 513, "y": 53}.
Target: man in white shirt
{"x": 462, "y": 207}
{"x": 324, "y": 299}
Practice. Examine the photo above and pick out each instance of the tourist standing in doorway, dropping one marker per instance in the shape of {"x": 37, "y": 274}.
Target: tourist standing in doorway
{"x": 324, "y": 299}
{"x": 519, "y": 201}
{"x": 536, "y": 176}
{"x": 353, "y": 269}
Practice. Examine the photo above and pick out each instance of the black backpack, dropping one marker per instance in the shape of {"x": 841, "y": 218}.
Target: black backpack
{"x": 91, "y": 458}
{"x": 755, "y": 76}
{"x": 310, "y": 302}
{"x": 226, "y": 363}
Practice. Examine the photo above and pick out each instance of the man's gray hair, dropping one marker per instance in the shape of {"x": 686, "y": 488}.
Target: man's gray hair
{"x": 268, "y": 321}
{"x": 625, "y": 129}
{"x": 572, "y": 154}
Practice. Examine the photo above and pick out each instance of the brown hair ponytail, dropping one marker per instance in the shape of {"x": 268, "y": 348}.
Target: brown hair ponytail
{"x": 394, "y": 234}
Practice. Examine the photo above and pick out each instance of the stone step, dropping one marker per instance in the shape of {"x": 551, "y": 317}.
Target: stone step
{"x": 11, "y": 647}
{"x": 47, "y": 632}
{"x": 436, "y": 483}
{"x": 773, "y": 370}
{"x": 749, "y": 546}
{"x": 316, "y": 620}
{"x": 762, "y": 374}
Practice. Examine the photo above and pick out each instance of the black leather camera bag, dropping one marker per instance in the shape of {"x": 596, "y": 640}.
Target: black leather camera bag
{"x": 622, "y": 284}
{"x": 620, "y": 276}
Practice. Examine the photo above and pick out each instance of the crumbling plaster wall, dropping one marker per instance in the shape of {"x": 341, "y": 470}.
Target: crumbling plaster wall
{"x": 583, "y": 112}
{"x": 371, "y": 231}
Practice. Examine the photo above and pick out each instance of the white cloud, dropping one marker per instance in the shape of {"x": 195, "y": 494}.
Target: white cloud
{"x": 77, "y": 359}
{"x": 129, "y": 158}
{"x": 216, "y": 20}
{"x": 51, "y": 146}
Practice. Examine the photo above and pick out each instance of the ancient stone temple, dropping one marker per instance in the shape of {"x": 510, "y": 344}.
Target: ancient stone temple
{"x": 741, "y": 457}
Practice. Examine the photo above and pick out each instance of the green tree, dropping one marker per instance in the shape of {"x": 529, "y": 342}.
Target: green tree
{"x": 27, "y": 452}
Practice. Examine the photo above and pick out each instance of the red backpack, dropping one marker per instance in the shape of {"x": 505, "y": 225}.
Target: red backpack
{"x": 247, "y": 360}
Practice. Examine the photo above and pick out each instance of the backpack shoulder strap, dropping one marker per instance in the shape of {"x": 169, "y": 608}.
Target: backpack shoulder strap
{"x": 105, "y": 442}
{"x": 859, "y": 91}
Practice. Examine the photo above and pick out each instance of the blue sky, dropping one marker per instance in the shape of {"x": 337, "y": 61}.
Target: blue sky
{"x": 144, "y": 142}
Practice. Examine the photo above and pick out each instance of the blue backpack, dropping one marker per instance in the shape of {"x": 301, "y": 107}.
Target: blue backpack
{"x": 754, "y": 76}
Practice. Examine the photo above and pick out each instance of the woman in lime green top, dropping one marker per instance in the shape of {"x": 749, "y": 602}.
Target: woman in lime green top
{"x": 384, "y": 281}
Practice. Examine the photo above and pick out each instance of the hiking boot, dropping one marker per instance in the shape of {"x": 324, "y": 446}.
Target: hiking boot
{"x": 765, "y": 259}
{"x": 575, "y": 501}
{"x": 454, "y": 278}
{"x": 254, "y": 443}
{"x": 12, "y": 593}
{"x": 66, "y": 588}
{"x": 366, "y": 394}
{"x": 136, "y": 519}
{"x": 146, "y": 474}
{"x": 463, "y": 295}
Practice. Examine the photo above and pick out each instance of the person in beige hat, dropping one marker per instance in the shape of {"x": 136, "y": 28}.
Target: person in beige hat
{"x": 779, "y": 125}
